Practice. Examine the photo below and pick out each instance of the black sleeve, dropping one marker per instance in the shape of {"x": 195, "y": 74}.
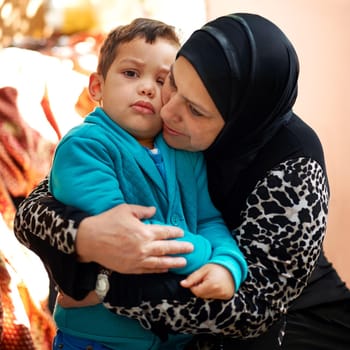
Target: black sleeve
{"x": 49, "y": 228}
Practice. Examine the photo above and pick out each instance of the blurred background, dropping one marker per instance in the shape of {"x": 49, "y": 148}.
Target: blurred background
{"x": 48, "y": 48}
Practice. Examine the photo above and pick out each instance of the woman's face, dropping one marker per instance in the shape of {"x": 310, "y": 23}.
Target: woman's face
{"x": 191, "y": 119}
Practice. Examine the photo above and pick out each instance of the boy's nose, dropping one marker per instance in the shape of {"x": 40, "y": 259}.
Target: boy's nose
{"x": 148, "y": 90}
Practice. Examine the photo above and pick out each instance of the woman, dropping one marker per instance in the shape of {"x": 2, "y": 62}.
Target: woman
{"x": 266, "y": 175}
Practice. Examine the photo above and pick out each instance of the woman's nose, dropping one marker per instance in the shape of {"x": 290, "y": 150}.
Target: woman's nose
{"x": 169, "y": 109}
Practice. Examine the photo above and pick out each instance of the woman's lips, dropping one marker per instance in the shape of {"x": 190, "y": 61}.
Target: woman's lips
{"x": 170, "y": 131}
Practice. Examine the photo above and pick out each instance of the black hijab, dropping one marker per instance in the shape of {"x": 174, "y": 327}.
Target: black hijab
{"x": 250, "y": 70}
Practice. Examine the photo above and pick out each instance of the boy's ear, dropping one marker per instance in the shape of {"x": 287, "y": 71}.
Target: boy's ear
{"x": 96, "y": 86}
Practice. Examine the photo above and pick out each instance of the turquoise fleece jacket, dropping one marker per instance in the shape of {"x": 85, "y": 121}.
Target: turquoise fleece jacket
{"x": 98, "y": 165}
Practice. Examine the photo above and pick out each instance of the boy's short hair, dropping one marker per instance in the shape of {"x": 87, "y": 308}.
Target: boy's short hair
{"x": 146, "y": 28}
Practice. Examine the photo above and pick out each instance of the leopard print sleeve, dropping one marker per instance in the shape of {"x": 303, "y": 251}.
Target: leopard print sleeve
{"x": 49, "y": 228}
{"x": 39, "y": 216}
{"x": 281, "y": 235}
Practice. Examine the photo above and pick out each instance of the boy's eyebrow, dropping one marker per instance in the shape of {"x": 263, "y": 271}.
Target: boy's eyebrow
{"x": 142, "y": 63}
{"x": 132, "y": 60}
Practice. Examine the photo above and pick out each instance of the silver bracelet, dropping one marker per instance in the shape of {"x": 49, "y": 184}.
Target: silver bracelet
{"x": 102, "y": 284}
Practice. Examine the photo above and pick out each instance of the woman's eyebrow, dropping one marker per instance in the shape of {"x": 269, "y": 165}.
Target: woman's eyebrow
{"x": 201, "y": 109}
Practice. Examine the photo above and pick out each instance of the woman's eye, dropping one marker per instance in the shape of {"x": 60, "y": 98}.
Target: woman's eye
{"x": 160, "y": 81}
{"x": 194, "y": 111}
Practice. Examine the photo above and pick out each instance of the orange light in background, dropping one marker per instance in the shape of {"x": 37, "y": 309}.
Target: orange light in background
{"x": 20, "y": 19}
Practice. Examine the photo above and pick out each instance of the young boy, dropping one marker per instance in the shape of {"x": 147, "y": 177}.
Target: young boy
{"x": 118, "y": 156}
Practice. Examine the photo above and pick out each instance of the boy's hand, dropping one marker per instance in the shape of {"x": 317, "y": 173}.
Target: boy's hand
{"x": 211, "y": 281}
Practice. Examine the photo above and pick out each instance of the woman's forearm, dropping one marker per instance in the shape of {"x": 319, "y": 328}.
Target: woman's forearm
{"x": 115, "y": 239}
{"x": 49, "y": 229}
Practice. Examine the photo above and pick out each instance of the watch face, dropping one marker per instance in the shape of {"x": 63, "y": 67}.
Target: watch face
{"x": 102, "y": 285}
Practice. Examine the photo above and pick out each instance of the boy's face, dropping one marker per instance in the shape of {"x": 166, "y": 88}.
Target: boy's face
{"x": 131, "y": 92}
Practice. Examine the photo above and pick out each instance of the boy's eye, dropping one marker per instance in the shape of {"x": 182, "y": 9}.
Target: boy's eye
{"x": 130, "y": 73}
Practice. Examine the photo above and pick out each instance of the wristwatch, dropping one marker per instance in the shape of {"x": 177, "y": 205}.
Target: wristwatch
{"x": 102, "y": 284}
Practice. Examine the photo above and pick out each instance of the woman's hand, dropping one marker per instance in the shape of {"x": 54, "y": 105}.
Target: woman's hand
{"x": 118, "y": 240}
